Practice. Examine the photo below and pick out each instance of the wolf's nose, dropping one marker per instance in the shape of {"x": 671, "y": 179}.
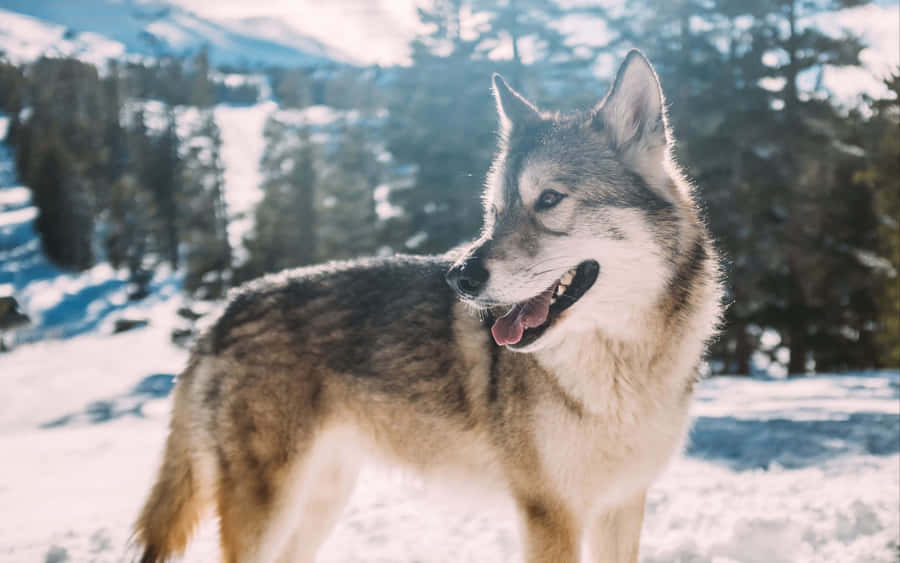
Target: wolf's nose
{"x": 468, "y": 278}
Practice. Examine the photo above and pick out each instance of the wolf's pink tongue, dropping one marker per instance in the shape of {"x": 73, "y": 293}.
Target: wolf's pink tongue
{"x": 508, "y": 329}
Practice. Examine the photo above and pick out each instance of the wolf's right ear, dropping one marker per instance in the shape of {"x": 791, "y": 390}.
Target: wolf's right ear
{"x": 634, "y": 109}
{"x": 512, "y": 106}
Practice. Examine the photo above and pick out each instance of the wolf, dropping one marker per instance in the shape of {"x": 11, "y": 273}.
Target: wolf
{"x": 552, "y": 359}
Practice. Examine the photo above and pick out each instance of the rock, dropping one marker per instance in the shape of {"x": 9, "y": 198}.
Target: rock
{"x": 56, "y": 554}
{"x": 123, "y": 325}
{"x": 188, "y": 313}
{"x": 182, "y": 336}
{"x": 10, "y": 314}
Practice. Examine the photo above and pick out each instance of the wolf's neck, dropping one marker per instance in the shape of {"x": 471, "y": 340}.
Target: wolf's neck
{"x": 659, "y": 353}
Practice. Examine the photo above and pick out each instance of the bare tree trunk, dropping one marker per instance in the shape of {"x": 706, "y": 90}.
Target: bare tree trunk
{"x": 742, "y": 350}
{"x": 799, "y": 349}
{"x": 790, "y": 94}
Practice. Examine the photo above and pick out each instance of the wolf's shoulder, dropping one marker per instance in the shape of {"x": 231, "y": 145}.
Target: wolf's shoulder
{"x": 363, "y": 286}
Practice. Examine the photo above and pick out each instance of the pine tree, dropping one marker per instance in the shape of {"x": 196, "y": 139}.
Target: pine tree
{"x": 773, "y": 159}
{"x": 132, "y": 210}
{"x": 346, "y": 205}
{"x": 169, "y": 81}
{"x": 441, "y": 120}
{"x": 64, "y": 222}
{"x": 293, "y": 88}
{"x": 723, "y": 121}
{"x": 445, "y": 95}
{"x": 530, "y": 29}
{"x": 12, "y": 91}
{"x": 882, "y": 174}
{"x": 807, "y": 158}
{"x": 204, "y": 218}
{"x": 202, "y": 91}
{"x": 284, "y": 233}
{"x": 161, "y": 175}
{"x": 60, "y": 155}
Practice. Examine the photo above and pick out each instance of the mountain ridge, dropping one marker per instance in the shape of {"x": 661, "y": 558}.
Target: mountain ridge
{"x": 150, "y": 28}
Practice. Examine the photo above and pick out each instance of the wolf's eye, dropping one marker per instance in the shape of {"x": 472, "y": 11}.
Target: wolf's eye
{"x": 548, "y": 199}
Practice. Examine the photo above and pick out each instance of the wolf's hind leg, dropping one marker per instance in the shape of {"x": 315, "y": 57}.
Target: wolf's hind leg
{"x": 614, "y": 536}
{"x": 254, "y": 520}
{"x": 330, "y": 479}
{"x": 549, "y": 531}
{"x": 283, "y": 515}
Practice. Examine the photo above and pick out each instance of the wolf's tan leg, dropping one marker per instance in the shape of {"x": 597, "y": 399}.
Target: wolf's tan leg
{"x": 241, "y": 523}
{"x": 326, "y": 492}
{"x": 614, "y": 536}
{"x": 548, "y": 530}
{"x": 259, "y": 480}
{"x": 286, "y": 518}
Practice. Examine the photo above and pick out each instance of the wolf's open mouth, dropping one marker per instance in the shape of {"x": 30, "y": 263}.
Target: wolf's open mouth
{"x": 525, "y": 322}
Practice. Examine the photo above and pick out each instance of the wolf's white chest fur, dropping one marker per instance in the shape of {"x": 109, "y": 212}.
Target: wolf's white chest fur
{"x": 634, "y": 419}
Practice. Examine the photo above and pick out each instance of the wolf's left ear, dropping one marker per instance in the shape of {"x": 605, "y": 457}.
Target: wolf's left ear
{"x": 512, "y": 107}
{"x": 633, "y": 110}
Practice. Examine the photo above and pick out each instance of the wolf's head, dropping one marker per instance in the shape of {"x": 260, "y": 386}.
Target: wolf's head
{"x": 585, "y": 216}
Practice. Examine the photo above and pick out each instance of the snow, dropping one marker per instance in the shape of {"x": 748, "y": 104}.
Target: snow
{"x": 836, "y": 398}
{"x": 84, "y": 420}
{"x": 879, "y": 27}
{"x": 15, "y": 196}
{"x": 799, "y": 470}
{"x": 24, "y": 38}
{"x": 373, "y": 32}
{"x": 242, "y": 149}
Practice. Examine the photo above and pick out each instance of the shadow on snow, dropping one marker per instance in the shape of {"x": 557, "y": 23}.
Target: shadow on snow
{"x": 152, "y": 387}
{"x": 740, "y": 444}
{"x": 745, "y": 444}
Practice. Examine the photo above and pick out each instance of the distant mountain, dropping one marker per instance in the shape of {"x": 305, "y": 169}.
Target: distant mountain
{"x": 111, "y": 28}
{"x": 277, "y": 31}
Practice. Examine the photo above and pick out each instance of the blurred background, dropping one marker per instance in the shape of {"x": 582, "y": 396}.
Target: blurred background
{"x": 156, "y": 153}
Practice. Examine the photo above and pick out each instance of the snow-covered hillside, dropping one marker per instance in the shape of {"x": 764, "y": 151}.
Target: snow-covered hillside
{"x": 775, "y": 472}
{"x": 96, "y": 30}
{"x": 64, "y": 304}
{"x": 61, "y": 304}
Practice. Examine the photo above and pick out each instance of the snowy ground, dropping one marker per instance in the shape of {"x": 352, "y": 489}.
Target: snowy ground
{"x": 806, "y": 470}
{"x": 776, "y": 471}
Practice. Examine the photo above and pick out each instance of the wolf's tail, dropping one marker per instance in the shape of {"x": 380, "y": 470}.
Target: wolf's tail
{"x": 175, "y": 504}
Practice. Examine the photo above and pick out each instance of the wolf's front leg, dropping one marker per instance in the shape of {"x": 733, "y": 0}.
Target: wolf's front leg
{"x": 549, "y": 531}
{"x": 614, "y": 536}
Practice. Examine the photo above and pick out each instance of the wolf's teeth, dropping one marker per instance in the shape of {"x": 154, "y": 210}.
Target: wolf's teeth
{"x": 567, "y": 278}
{"x": 560, "y": 289}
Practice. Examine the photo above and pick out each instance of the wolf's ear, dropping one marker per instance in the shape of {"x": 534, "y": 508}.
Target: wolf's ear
{"x": 633, "y": 110}
{"x": 512, "y": 107}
